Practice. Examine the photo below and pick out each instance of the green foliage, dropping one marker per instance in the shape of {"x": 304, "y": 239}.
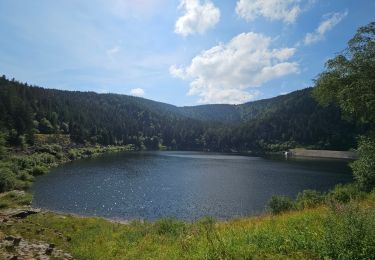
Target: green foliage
{"x": 349, "y": 233}
{"x": 364, "y": 167}
{"x": 45, "y": 115}
{"x": 50, "y": 148}
{"x": 30, "y": 161}
{"x": 344, "y": 193}
{"x": 7, "y": 179}
{"x": 349, "y": 82}
{"x": 309, "y": 199}
{"x": 86, "y": 152}
{"x": 338, "y": 232}
{"x": 169, "y": 226}
{"x": 14, "y": 199}
{"x": 24, "y": 176}
{"x": 38, "y": 170}
{"x": 45, "y": 126}
{"x": 279, "y": 204}
{"x": 349, "y": 78}
{"x": 2, "y": 145}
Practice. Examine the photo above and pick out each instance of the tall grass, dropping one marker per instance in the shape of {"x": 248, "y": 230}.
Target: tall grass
{"x": 338, "y": 231}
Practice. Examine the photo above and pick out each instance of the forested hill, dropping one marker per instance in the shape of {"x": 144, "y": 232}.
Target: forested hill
{"x": 271, "y": 124}
{"x": 247, "y": 111}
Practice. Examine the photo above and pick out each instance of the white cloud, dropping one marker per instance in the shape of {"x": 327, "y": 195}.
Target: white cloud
{"x": 326, "y": 25}
{"x": 224, "y": 73}
{"x": 177, "y": 72}
{"x": 139, "y": 92}
{"x": 284, "y": 10}
{"x": 197, "y": 17}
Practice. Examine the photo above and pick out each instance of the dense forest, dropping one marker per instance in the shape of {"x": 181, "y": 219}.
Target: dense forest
{"x": 295, "y": 119}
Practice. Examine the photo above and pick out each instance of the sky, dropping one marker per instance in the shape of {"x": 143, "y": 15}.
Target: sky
{"x": 181, "y": 52}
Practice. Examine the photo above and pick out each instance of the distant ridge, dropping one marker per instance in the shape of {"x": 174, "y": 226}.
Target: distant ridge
{"x": 278, "y": 123}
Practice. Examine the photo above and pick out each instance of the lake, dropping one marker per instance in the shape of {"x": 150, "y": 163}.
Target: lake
{"x": 184, "y": 185}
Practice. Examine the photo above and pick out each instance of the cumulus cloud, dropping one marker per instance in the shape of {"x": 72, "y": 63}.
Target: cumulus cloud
{"x": 326, "y": 25}
{"x": 197, "y": 17}
{"x": 230, "y": 73}
{"x": 139, "y": 92}
{"x": 284, "y": 10}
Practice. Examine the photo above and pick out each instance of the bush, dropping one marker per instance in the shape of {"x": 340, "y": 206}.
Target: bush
{"x": 279, "y": 204}
{"x": 2, "y": 145}
{"x": 7, "y": 180}
{"x": 24, "y": 176}
{"x": 309, "y": 199}
{"x": 38, "y": 170}
{"x": 169, "y": 226}
{"x": 364, "y": 167}
{"x": 344, "y": 193}
{"x": 50, "y": 148}
{"x": 22, "y": 185}
{"x": 349, "y": 233}
{"x": 74, "y": 154}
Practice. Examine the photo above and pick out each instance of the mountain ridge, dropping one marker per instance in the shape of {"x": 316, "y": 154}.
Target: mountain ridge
{"x": 88, "y": 117}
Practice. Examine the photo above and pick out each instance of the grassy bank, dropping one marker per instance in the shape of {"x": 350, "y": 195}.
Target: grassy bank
{"x": 339, "y": 224}
{"x": 344, "y": 231}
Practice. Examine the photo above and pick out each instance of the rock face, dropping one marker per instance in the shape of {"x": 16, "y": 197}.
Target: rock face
{"x": 18, "y": 213}
{"x": 18, "y": 248}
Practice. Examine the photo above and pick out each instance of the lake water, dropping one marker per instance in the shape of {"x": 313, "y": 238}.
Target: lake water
{"x": 184, "y": 185}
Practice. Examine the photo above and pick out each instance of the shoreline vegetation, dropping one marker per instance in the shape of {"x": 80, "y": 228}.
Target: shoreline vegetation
{"x": 319, "y": 214}
{"x": 339, "y": 224}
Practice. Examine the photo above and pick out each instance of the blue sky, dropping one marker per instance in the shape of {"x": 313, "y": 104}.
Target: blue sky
{"x": 183, "y": 52}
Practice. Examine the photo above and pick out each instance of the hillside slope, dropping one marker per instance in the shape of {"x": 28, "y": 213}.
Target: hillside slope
{"x": 288, "y": 120}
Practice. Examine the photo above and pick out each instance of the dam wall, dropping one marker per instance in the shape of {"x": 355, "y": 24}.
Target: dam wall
{"x": 300, "y": 152}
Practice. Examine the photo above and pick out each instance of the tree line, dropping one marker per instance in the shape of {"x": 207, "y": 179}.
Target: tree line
{"x": 275, "y": 124}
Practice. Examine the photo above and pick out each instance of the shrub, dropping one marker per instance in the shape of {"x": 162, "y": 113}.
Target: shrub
{"x": 2, "y": 145}
{"x": 45, "y": 158}
{"x": 169, "y": 226}
{"x": 22, "y": 162}
{"x": 349, "y": 233}
{"x": 24, "y": 176}
{"x": 344, "y": 193}
{"x": 74, "y": 154}
{"x": 23, "y": 185}
{"x": 364, "y": 167}
{"x": 309, "y": 199}
{"x": 50, "y": 148}
{"x": 279, "y": 204}
{"x": 7, "y": 180}
{"x": 60, "y": 156}
{"x": 38, "y": 170}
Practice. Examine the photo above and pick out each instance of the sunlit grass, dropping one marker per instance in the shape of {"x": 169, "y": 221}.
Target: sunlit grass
{"x": 14, "y": 199}
{"x": 345, "y": 231}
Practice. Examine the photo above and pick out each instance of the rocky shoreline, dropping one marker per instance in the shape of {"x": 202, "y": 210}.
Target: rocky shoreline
{"x": 17, "y": 247}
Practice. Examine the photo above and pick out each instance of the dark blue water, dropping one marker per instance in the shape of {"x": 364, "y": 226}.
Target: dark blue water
{"x": 185, "y": 185}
